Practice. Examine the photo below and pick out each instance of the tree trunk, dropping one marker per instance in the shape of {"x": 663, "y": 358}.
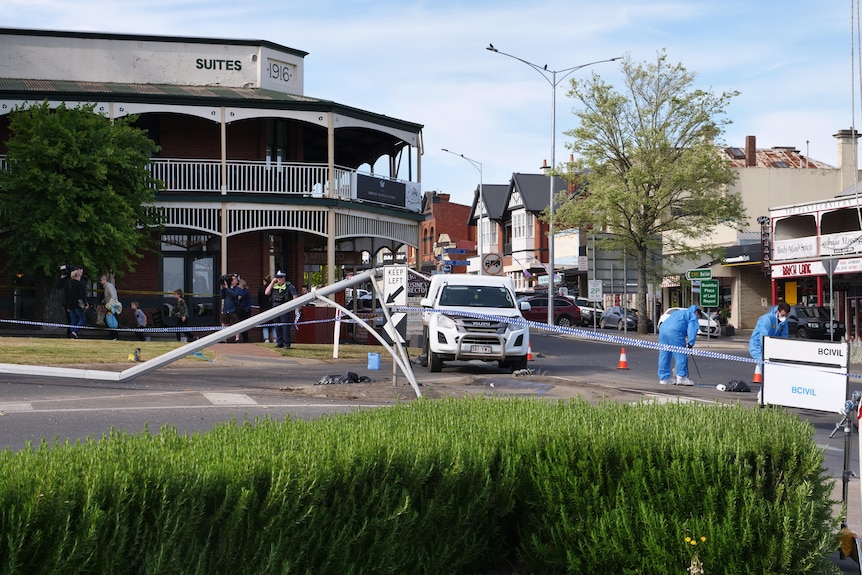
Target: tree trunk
{"x": 49, "y": 301}
{"x": 642, "y": 291}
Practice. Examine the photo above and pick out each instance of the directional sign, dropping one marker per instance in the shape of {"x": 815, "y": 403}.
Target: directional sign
{"x": 709, "y": 293}
{"x": 395, "y": 294}
{"x": 395, "y": 285}
{"x": 699, "y": 274}
{"x": 457, "y": 262}
{"x": 455, "y": 251}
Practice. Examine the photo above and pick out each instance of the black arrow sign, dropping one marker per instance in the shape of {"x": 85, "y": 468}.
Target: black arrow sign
{"x": 393, "y": 295}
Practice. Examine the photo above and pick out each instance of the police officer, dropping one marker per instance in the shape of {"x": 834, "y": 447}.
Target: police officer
{"x": 281, "y": 291}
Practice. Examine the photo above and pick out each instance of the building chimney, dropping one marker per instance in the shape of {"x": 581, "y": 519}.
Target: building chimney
{"x": 750, "y": 151}
{"x": 847, "y": 157}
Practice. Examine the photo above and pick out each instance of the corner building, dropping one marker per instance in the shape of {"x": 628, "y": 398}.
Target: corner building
{"x": 258, "y": 176}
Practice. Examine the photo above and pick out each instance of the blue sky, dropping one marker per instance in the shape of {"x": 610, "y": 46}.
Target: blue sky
{"x": 426, "y": 62}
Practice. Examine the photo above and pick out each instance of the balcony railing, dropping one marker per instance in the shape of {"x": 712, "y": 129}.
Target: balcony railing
{"x": 250, "y": 177}
{"x": 192, "y": 176}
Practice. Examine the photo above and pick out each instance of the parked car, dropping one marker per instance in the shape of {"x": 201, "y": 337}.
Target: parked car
{"x": 613, "y": 317}
{"x": 709, "y": 327}
{"x": 812, "y": 322}
{"x": 589, "y": 309}
{"x": 566, "y": 311}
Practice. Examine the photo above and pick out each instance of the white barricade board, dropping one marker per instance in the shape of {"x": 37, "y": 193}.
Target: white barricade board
{"x": 805, "y": 374}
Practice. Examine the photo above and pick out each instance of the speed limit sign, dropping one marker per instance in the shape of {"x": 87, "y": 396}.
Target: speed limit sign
{"x": 492, "y": 264}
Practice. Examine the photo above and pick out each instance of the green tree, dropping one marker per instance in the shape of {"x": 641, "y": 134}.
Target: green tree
{"x": 652, "y": 175}
{"x": 76, "y": 190}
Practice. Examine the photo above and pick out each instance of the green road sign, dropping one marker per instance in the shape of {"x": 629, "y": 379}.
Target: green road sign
{"x": 709, "y": 293}
{"x": 698, "y": 274}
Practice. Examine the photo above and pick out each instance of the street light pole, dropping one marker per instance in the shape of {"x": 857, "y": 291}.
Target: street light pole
{"x": 551, "y": 78}
{"x": 481, "y": 206}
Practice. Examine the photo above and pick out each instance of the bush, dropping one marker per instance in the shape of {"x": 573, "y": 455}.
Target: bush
{"x": 446, "y": 486}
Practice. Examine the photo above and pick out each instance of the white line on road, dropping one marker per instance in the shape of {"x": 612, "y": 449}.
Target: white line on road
{"x": 229, "y": 399}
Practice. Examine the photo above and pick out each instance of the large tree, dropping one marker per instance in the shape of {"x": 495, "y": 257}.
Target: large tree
{"x": 76, "y": 189}
{"x": 650, "y": 171}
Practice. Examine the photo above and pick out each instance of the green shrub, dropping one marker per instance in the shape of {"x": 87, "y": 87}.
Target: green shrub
{"x": 447, "y": 486}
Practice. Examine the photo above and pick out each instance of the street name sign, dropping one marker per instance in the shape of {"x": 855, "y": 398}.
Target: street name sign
{"x": 699, "y": 274}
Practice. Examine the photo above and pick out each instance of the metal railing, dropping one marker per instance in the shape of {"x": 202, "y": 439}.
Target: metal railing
{"x": 250, "y": 177}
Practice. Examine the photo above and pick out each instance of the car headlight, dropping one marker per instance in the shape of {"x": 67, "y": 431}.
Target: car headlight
{"x": 445, "y": 322}
{"x": 814, "y": 325}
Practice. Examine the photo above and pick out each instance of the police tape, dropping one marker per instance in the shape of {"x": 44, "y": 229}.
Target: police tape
{"x": 572, "y": 331}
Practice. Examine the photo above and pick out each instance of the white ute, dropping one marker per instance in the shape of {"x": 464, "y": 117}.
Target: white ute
{"x": 454, "y": 333}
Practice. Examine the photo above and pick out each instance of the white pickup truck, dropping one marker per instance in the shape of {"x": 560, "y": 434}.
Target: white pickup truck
{"x": 465, "y": 318}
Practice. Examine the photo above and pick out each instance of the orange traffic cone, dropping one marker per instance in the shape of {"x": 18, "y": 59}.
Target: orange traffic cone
{"x": 758, "y": 375}
{"x": 529, "y": 352}
{"x": 624, "y": 364}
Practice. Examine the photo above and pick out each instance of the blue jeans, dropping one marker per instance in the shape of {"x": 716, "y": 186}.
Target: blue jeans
{"x": 77, "y": 317}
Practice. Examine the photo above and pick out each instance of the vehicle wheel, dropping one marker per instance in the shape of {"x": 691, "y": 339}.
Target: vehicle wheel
{"x": 518, "y": 363}
{"x": 435, "y": 364}
{"x": 621, "y": 326}
{"x": 565, "y": 321}
{"x": 602, "y": 323}
{"x": 801, "y": 333}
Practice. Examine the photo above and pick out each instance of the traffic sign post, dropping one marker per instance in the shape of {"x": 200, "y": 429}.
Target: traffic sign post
{"x": 709, "y": 293}
{"x": 595, "y": 290}
{"x": 699, "y": 274}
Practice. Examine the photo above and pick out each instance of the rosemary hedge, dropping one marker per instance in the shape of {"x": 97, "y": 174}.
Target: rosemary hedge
{"x": 444, "y": 486}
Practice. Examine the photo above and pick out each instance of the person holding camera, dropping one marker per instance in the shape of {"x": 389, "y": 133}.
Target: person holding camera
{"x": 281, "y": 291}
{"x": 243, "y": 307}
{"x": 229, "y": 293}
{"x": 74, "y": 299}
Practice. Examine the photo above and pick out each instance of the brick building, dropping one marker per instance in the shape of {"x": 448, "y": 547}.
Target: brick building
{"x": 258, "y": 176}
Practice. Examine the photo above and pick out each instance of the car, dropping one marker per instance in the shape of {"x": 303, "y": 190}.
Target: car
{"x": 613, "y": 317}
{"x": 812, "y": 322}
{"x": 708, "y": 327}
{"x": 566, "y": 311}
{"x": 589, "y": 310}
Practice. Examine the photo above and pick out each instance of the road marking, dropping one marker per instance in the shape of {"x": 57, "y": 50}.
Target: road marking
{"x": 229, "y": 399}
{"x": 16, "y": 407}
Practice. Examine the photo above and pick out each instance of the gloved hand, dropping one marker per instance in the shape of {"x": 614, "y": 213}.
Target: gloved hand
{"x": 689, "y": 345}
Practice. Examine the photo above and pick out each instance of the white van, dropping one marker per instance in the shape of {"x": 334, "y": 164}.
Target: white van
{"x": 468, "y": 321}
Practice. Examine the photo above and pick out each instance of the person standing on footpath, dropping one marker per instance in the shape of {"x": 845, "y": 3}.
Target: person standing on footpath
{"x": 181, "y": 312}
{"x": 771, "y": 324}
{"x": 264, "y": 303}
{"x": 75, "y": 301}
{"x": 243, "y": 307}
{"x": 281, "y": 291}
{"x": 140, "y": 320}
{"x": 228, "y": 294}
{"x": 678, "y": 330}
{"x": 113, "y": 307}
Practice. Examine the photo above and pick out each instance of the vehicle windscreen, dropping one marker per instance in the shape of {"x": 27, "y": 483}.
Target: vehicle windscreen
{"x": 476, "y": 296}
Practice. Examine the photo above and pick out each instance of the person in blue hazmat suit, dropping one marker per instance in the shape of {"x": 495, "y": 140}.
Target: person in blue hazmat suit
{"x": 679, "y": 330}
{"x": 771, "y": 324}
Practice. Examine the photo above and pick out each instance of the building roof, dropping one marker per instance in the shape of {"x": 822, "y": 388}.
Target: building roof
{"x": 495, "y": 196}
{"x": 776, "y": 157}
{"x": 535, "y": 190}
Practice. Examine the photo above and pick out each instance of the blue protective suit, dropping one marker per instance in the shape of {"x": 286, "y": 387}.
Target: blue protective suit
{"x": 678, "y": 330}
{"x": 767, "y": 326}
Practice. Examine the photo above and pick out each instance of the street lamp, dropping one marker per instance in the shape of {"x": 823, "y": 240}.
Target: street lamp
{"x": 481, "y": 250}
{"x": 550, "y": 76}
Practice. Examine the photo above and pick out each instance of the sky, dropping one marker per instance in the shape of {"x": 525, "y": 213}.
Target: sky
{"x": 426, "y": 62}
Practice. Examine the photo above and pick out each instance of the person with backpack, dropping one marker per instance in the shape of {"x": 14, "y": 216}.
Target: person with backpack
{"x": 281, "y": 291}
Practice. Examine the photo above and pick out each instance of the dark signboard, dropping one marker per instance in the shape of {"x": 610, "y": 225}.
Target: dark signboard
{"x": 378, "y": 190}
